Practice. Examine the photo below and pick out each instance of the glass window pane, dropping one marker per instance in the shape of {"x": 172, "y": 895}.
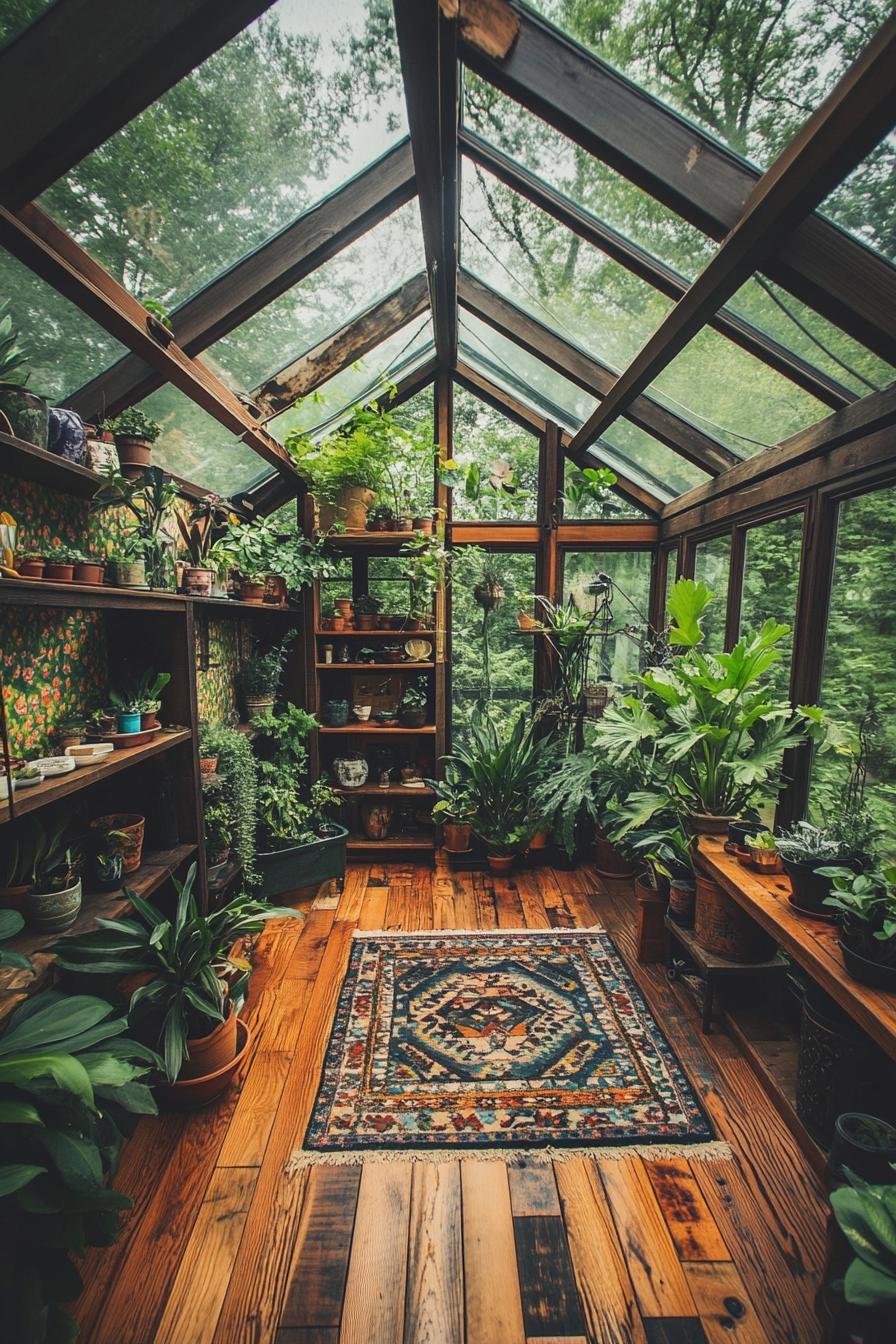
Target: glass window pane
{"x": 194, "y": 445}
{"x": 384, "y": 258}
{"x": 864, "y": 203}
{"x": 859, "y": 672}
{"x": 671, "y": 571}
{"x": 657, "y": 467}
{"x": 618, "y": 656}
{"x": 771, "y": 579}
{"x": 579, "y": 500}
{"x": 733, "y": 395}
{"x": 712, "y": 563}
{"x": 283, "y": 114}
{"x": 503, "y": 482}
{"x": 66, "y": 347}
{"x": 490, "y": 660}
{"x": 17, "y": 15}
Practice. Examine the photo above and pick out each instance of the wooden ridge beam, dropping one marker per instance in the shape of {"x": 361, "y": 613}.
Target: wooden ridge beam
{"x": 53, "y": 255}
{"x": 849, "y": 123}
{"x": 261, "y": 277}
{"x": 636, "y": 134}
{"x": 84, "y": 68}
{"x": 428, "y": 47}
{"x": 874, "y": 417}
{"x": 526, "y": 418}
{"x": 337, "y": 351}
{"x": 660, "y": 276}
{"x": 591, "y": 375}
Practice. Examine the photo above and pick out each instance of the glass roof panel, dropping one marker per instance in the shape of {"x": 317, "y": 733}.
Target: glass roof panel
{"x": 194, "y": 445}
{"x": 350, "y": 282}
{"x": 734, "y": 396}
{"x": 865, "y": 202}
{"x": 283, "y": 114}
{"x": 17, "y": 15}
{"x": 67, "y": 347}
{"x": 548, "y": 271}
{"x": 749, "y": 75}
{"x": 583, "y": 179}
{"x": 394, "y": 359}
{"x": 484, "y": 436}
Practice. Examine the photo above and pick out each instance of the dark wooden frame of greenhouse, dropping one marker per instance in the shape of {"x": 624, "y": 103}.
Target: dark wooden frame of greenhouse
{"x": 65, "y": 93}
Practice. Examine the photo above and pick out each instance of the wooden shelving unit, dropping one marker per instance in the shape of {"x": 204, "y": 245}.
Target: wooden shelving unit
{"x": 365, "y": 667}
{"x": 352, "y": 729}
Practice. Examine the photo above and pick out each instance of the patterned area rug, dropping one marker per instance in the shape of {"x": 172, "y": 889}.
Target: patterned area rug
{"x": 485, "y": 1040}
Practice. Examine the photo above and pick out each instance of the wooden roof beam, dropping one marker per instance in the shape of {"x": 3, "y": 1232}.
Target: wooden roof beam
{"x": 849, "y": 123}
{"x": 428, "y": 45}
{"x": 261, "y": 277}
{"x": 646, "y": 267}
{"x": 84, "y": 68}
{"x": 41, "y": 244}
{"x": 690, "y": 172}
{"x": 591, "y": 375}
{"x": 350, "y": 343}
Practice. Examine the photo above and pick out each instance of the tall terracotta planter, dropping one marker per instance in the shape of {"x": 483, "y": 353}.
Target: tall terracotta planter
{"x": 721, "y": 926}
{"x": 608, "y": 861}
{"x": 350, "y": 508}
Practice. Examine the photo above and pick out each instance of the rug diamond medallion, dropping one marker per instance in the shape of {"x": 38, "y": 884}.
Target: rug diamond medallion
{"x": 496, "y": 1039}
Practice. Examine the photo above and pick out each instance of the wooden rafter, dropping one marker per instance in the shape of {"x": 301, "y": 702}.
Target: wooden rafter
{"x": 850, "y": 122}
{"x": 350, "y": 343}
{"x": 428, "y": 45}
{"x": 590, "y": 374}
{"x": 85, "y": 68}
{"x": 690, "y": 172}
{"x": 255, "y": 281}
{"x": 41, "y": 244}
{"x": 646, "y": 267}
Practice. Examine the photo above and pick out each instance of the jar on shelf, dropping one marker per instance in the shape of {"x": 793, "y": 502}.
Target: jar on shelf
{"x": 328, "y": 653}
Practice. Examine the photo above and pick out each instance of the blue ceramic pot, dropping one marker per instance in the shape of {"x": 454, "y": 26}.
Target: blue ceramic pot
{"x": 335, "y": 713}
{"x": 67, "y": 437}
{"x": 129, "y": 723}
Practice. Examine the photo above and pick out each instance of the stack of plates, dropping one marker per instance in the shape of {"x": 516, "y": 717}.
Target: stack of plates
{"x": 54, "y": 765}
{"x": 88, "y": 753}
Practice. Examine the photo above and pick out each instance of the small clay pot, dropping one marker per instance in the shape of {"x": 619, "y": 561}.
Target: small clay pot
{"x": 456, "y": 837}
{"x": 31, "y": 569}
{"x": 252, "y": 594}
{"x": 132, "y": 824}
{"x": 63, "y": 572}
{"x": 134, "y": 454}
{"x": 198, "y": 581}
{"x": 365, "y": 621}
{"x": 501, "y": 863}
{"x": 148, "y": 721}
{"x": 88, "y": 574}
{"x": 208, "y": 764}
{"x": 13, "y": 898}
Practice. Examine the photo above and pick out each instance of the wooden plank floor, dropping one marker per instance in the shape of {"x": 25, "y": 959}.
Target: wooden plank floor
{"x": 222, "y": 1247}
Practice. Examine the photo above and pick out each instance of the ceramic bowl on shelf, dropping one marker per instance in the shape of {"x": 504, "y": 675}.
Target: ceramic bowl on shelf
{"x": 27, "y": 779}
{"x": 418, "y": 650}
{"x": 55, "y": 765}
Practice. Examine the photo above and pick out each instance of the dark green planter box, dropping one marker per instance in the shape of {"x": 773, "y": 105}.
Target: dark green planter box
{"x": 302, "y": 866}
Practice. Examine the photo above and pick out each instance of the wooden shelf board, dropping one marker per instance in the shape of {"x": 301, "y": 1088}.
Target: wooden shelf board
{"x": 244, "y": 608}
{"x": 393, "y": 842}
{"x": 29, "y": 800}
{"x": 365, "y": 538}
{"x": 371, "y": 728}
{"x": 365, "y": 667}
{"x": 810, "y": 942}
{"x": 395, "y": 635}
{"x": 30, "y": 463}
{"x": 42, "y": 593}
{"x": 393, "y": 791}
{"x": 153, "y": 871}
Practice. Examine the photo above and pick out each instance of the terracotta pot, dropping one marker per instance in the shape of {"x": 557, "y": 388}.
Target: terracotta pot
{"x": 130, "y": 574}
{"x": 258, "y": 704}
{"x": 337, "y": 623}
{"x": 53, "y": 911}
{"x": 216, "y": 858}
{"x": 651, "y": 926}
{"x": 501, "y": 863}
{"x": 31, "y": 569}
{"x": 424, "y": 525}
{"x": 343, "y": 607}
{"x": 541, "y": 839}
{"x": 722, "y": 927}
{"x": 350, "y": 508}
{"x": 64, "y": 572}
{"x": 88, "y": 573}
{"x": 208, "y": 764}
{"x": 13, "y": 898}
{"x": 608, "y": 861}
{"x": 134, "y": 454}
{"x": 190, "y": 1093}
{"x": 326, "y": 623}
{"x": 209, "y": 1054}
{"x": 456, "y": 836}
{"x": 148, "y": 721}
{"x": 133, "y": 826}
{"x": 198, "y": 581}
{"x": 365, "y": 621}
{"x": 252, "y": 593}
{"x": 766, "y": 861}
{"x": 704, "y": 823}
{"x": 404, "y": 525}
{"x": 526, "y": 622}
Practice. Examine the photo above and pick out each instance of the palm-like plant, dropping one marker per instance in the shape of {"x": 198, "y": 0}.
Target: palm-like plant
{"x": 501, "y": 770}
{"x": 185, "y": 957}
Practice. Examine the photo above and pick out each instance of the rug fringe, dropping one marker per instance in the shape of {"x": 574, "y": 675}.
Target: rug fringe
{"x": 512, "y": 1157}
{"x": 473, "y": 933}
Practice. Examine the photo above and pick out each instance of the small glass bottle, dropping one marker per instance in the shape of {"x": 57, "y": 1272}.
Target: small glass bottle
{"x": 328, "y": 653}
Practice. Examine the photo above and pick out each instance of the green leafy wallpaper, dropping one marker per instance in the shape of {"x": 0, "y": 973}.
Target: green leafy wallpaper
{"x": 215, "y": 687}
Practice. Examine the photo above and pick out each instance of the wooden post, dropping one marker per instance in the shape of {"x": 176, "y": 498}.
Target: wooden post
{"x": 443, "y": 412}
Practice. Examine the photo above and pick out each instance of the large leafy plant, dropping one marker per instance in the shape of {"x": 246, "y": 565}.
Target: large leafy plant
{"x": 185, "y": 959}
{"x": 149, "y": 499}
{"x": 866, "y": 1215}
{"x": 501, "y": 768}
{"x": 707, "y": 730}
{"x": 13, "y": 356}
{"x": 288, "y": 807}
{"x": 70, "y": 1087}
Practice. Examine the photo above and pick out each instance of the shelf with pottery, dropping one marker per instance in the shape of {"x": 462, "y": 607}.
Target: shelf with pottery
{"x": 29, "y": 463}
{"x": 811, "y": 942}
{"x": 390, "y": 791}
{"x": 46, "y": 593}
{"x": 365, "y": 667}
{"x": 40, "y": 795}
{"x": 377, "y": 634}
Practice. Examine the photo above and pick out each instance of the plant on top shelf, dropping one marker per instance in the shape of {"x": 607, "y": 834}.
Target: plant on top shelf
{"x": 148, "y": 497}
{"x": 865, "y": 904}
{"x": 72, "y": 1086}
{"x": 259, "y": 677}
{"x": 27, "y": 413}
{"x": 185, "y": 959}
{"x": 347, "y": 469}
{"x": 204, "y": 527}
{"x": 380, "y": 517}
{"x": 261, "y": 547}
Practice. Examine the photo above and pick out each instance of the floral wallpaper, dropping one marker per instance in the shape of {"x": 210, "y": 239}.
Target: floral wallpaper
{"x": 54, "y": 665}
{"x": 47, "y": 519}
{"x": 215, "y": 687}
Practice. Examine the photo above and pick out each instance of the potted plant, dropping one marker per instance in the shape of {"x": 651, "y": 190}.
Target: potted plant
{"x": 454, "y": 811}
{"x": 865, "y": 904}
{"x": 764, "y": 855}
{"x": 488, "y": 592}
{"x": 89, "y": 569}
{"x": 138, "y": 701}
{"x": 135, "y": 433}
{"x": 211, "y": 736}
{"x": 366, "y": 609}
{"x": 149, "y": 498}
{"x": 54, "y": 900}
{"x": 807, "y": 850}
{"x": 348, "y": 469}
{"x": 62, "y": 566}
{"x": 71, "y": 731}
{"x": 259, "y": 678}
{"x": 109, "y": 855}
{"x": 28, "y": 414}
{"x": 413, "y": 702}
{"x": 130, "y": 563}
{"x": 18, "y": 854}
{"x": 207, "y": 516}
{"x": 866, "y": 1216}
{"x": 669, "y": 855}
{"x": 218, "y": 834}
{"x": 381, "y": 518}
{"x": 127, "y": 708}
{"x": 501, "y": 769}
{"x": 31, "y": 564}
{"x": 176, "y": 968}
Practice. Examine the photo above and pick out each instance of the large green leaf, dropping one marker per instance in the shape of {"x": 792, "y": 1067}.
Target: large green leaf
{"x": 77, "y": 1160}
{"x": 686, "y": 602}
{"x": 17, "y": 1174}
{"x": 56, "y": 1021}
{"x": 18, "y": 1113}
{"x": 65, "y": 1069}
{"x": 866, "y": 1286}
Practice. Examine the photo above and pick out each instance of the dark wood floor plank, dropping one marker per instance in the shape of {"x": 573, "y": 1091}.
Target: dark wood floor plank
{"x": 547, "y": 1283}
{"x": 508, "y": 903}
{"x": 684, "y": 1330}
{"x": 486, "y": 912}
{"x": 312, "y": 1336}
{"x": 325, "y": 1237}
{"x": 528, "y": 886}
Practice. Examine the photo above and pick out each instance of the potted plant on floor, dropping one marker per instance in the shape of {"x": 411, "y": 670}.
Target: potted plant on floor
{"x": 176, "y": 969}
{"x": 135, "y": 433}
{"x": 18, "y": 853}
{"x": 669, "y": 855}
{"x": 259, "y": 678}
{"x": 866, "y": 1216}
{"x": 501, "y": 769}
{"x": 28, "y": 414}
{"x": 865, "y": 904}
{"x": 236, "y": 788}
